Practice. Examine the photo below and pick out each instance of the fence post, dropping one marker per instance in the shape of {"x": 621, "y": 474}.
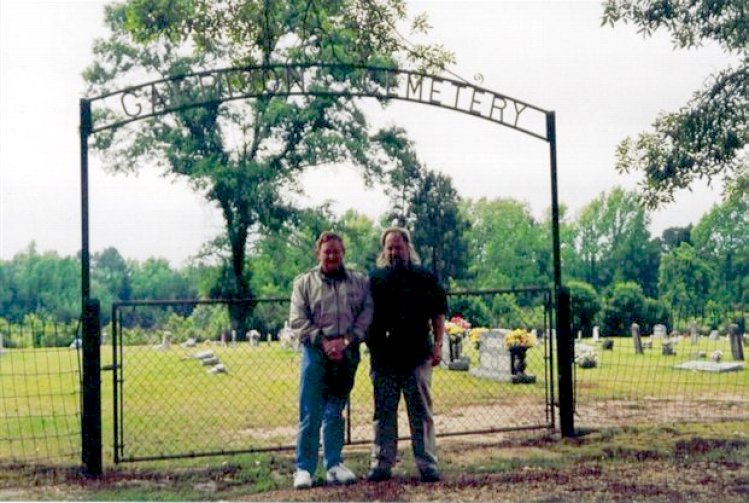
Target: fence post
{"x": 565, "y": 356}
{"x": 91, "y": 414}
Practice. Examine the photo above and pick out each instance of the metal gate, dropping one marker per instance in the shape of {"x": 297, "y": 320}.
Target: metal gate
{"x": 181, "y": 390}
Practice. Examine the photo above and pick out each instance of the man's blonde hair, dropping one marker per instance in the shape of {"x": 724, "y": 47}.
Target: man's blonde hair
{"x": 382, "y": 258}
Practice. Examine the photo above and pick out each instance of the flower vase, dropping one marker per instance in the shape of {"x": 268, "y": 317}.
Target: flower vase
{"x": 518, "y": 365}
{"x": 517, "y": 360}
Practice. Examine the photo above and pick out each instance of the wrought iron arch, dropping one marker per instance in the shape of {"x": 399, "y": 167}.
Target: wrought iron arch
{"x": 169, "y": 95}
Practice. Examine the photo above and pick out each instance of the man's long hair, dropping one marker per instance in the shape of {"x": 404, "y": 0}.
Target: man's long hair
{"x": 382, "y": 258}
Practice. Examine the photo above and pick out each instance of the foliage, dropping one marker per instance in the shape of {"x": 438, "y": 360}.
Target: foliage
{"x": 41, "y": 283}
{"x": 246, "y": 157}
{"x": 439, "y": 227}
{"x": 584, "y": 306}
{"x": 625, "y": 306}
{"x": 506, "y": 245}
{"x": 656, "y": 312}
{"x": 614, "y": 244}
{"x": 684, "y": 278}
{"x": 427, "y": 203}
{"x": 708, "y": 136}
{"x": 473, "y": 308}
{"x": 672, "y": 237}
{"x": 721, "y": 239}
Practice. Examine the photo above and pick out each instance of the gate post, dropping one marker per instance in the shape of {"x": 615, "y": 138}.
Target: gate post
{"x": 565, "y": 356}
{"x": 91, "y": 414}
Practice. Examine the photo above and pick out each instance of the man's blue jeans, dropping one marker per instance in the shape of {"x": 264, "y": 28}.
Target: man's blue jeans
{"x": 316, "y": 409}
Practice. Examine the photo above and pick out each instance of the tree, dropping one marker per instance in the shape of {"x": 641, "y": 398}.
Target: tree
{"x": 246, "y": 156}
{"x": 614, "y": 243}
{"x": 109, "y": 270}
{"x": 41, "y": 283}
{"x": 362, "y": 238}
{"x": 403, "y": 175}
{"x": 626, "y": 305}
{"x": 279, "y": 256}
{"x": 721, "y": 239}
{"x": 684, "y": 280}
{"x": 507, "y": 246}
{"x": 584, "y": 306}
{"x": 439, "y": 226}
{"x": 672, "y": 237}
{"x": 708, "y": 136}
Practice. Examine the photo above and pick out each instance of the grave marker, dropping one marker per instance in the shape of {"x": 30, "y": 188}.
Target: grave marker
{"x": 635, "y": 328}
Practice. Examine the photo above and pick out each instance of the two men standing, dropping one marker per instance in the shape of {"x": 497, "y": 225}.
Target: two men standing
{"x": 331, "y": 310}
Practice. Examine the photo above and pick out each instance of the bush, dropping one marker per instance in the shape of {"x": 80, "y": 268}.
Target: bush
{"x": 625, "y": 306}
{"x": 584, "y": 306}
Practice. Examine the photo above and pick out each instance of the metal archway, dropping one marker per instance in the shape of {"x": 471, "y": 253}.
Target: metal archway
{"x": 164, "y": 96}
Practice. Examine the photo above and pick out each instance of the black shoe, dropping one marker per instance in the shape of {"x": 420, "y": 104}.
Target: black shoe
{"x": 379, "y": 474}
{"x": 430, "y": 476}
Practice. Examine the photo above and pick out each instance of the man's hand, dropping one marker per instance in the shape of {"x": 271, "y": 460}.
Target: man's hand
{"x": 333, "y": 348}
{"x": 436, "y": 354}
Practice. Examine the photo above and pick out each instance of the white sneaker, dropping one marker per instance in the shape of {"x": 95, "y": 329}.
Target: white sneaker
{"x": 339, "y": 474}
{"x": 302, "y": 479}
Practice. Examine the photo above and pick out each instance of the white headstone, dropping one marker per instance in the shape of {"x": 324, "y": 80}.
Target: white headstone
{"x": 659, "y": 331}
{"x": 714, "y": 336}
{"x": 166, "y": 342}
{"x": 494, "y": 357}
{"x": 579, "y": 334}
{"x": 253, "y": 337}
{"x": 596, "y": 333}
{"x": 694, "y": 334}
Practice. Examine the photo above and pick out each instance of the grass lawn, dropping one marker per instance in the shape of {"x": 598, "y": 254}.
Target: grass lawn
{"x": 172, "y": 405}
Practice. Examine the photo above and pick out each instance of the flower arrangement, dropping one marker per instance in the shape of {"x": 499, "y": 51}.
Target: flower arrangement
{"x": 587, "y": 359}
{"x": 474, "y": 334}
{"x": 457, "y": 327}
{"x": 520, "y": 338}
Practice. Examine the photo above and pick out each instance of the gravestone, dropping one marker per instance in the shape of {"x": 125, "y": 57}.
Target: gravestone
{"x": 494, "y": 357}
{"x": 667, "y": 348}
{"x": 659, "y": 331}
{"x": 635, "y": 328}
{"x": 579, "y": 334}
{"x": 694, "y": 334}
{"x": 714, "y": 336}
{"x": 166, "y": 342}
{"x": 288, "y": 338}
{"x": 709, "y": 366}
{"x": 596, "y": 333}
{"x": 737, "y": 343}
{"x": 253, "y": 337}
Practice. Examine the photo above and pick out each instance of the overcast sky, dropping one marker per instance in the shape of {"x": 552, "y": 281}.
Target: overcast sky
{"x": 603, "y": 83}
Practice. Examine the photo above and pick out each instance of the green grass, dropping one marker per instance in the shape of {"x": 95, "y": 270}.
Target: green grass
{"x": 173, "y": 406}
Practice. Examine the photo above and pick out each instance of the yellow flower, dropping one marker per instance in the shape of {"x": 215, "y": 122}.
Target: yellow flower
{"x": 520, "y": 338}
{"x": 475, "y": 334}
{"x": 457, "y": 326}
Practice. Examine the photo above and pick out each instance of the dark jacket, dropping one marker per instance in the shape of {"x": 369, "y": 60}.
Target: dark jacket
{"x": 405, "y": 300}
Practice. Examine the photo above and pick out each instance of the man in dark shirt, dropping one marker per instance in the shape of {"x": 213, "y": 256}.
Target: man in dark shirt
{"x": 405, "y": 341}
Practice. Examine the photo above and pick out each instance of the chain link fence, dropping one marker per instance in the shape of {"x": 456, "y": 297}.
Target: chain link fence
{"x": 190, "y": 385}
{"x": 691, "y": 368}
{"x": 40, "y": 383}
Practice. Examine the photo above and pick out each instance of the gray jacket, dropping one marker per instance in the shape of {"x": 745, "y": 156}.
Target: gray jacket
{"x": 322, "y": 306}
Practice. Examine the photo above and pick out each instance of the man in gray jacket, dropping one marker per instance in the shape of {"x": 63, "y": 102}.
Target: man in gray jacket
{"x": 331, "y": 309}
